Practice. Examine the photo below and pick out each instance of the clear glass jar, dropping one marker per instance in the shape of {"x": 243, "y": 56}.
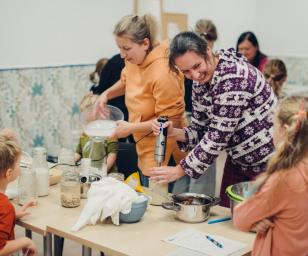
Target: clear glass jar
{"x": 26, "y": 184}
{"x": 41, "y": 170}
{"x": 66, "y": 160}
{"x": 70, "y": 189}
{"x": 97, "y": 153}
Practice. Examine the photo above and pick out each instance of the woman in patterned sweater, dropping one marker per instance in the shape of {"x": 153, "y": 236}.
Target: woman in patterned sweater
{"x": 232, "y": 106}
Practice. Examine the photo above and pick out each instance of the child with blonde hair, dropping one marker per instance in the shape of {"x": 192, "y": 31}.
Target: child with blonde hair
{"x": 96, "y": 150}
{"x": 278, "y": 211}
{"x": 275, "y": 73}
{"x": 10, "y": 153}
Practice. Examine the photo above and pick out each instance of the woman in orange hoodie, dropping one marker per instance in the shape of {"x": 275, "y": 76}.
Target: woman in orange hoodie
{"x": 150, "y": 88}
{"x": 279, "y": 210}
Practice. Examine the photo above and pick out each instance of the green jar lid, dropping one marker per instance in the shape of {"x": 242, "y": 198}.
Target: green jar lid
{"x": 232, "y": 195}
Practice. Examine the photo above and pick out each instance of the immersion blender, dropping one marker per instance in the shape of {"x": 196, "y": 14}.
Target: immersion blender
{"x": 161, "y": 141}
{"x": 160, "y": 190}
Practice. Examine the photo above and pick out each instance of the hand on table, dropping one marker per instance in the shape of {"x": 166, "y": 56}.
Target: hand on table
{"x": 23, "y": 210}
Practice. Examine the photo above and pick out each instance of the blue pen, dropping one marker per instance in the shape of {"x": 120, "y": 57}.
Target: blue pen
{"x": 219, "y": 220}
{"x": 214, "y": 241}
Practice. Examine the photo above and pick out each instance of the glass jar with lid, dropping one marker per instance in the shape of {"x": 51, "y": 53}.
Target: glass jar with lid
{"x": 41, "y": 170}
{"x": 26, "y": 184}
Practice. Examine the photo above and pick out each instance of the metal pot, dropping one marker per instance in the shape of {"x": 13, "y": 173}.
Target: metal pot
{"x": 191, "y": 207}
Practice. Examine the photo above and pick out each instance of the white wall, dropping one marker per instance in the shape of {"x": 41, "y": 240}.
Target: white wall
{"x": 230, "y": 24}
{"x": 58, "y": 32}
{"x": 282, "y": 25}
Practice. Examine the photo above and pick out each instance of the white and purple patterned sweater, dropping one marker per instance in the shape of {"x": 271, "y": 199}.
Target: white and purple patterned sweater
{"x": 232, "y": 112}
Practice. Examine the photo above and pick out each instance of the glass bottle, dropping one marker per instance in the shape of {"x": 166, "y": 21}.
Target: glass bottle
{"x": 41, "y": 170}
{"x": 26, "y": 184}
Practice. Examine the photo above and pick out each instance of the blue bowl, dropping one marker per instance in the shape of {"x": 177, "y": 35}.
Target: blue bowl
{"x": 136, "y": 213}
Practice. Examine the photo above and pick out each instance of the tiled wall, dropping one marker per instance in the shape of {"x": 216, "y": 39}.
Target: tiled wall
{"x": 297, "y": 75}
{"x": 41, "y": 104}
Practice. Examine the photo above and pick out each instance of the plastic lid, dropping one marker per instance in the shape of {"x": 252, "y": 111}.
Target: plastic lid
{"x": 232, "y": 195}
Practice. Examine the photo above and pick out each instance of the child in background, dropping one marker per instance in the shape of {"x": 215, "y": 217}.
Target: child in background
{"x": 99, "y": 150}
{"x": 275, "y": 73}
{"x": 278, "y": 212}
{"x": 95, "y": 75}
{"x": 10, "y": 153}
{"x": 8, "y": 133}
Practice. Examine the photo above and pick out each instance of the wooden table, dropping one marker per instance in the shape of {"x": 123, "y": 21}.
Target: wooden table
{"x": 142, "y": 238}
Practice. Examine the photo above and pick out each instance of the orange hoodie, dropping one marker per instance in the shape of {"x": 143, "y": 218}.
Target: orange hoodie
{"x": 284, "y": 200}
{"x": 152, "y": 90}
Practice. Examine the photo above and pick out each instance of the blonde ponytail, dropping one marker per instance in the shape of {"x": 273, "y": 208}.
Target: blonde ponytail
{"x": 292, "y": 114}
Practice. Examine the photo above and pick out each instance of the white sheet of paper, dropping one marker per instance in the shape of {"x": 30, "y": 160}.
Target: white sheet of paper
{"x": 197, "y": 241}
{"x": 181, "y": 251}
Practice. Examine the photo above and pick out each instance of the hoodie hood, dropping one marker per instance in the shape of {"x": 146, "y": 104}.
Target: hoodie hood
{"x": 159, "y": 52}
{"x": 231, "y": 55}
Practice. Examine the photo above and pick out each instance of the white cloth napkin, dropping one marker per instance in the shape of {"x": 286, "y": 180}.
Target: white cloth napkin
{"x": 107, "y": 197}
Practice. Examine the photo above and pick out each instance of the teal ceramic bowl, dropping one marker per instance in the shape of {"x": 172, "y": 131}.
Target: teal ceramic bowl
{"x": 136, "y": 213}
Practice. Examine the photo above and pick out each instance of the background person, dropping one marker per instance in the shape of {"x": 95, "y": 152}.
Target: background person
{"x": 111, "y": 73}
{"x": 150, "y": 89}
{"x": 248, "y": 45}
{"x": 8, "y": 133}
{"x": 231, "y": 111}
{"x": 95, "y": 75}
{"x": 275, "y": 73}
{"x": 279, "y": 210}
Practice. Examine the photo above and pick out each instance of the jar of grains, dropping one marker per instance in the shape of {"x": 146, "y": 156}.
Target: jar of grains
{"x": 70, "y": 189}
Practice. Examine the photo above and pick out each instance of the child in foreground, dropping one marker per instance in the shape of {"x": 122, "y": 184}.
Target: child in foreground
{"x": 10, "y": 153}
{"x": 278, "y": 212}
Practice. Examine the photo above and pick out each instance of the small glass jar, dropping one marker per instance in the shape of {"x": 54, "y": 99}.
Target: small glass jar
{"x": 70, "y": 189}
{"x": 41, "y": 170}
{"x": 26, "y": 184}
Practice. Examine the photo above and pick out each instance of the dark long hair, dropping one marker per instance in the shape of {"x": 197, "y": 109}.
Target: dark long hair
{"x": 251, "y": 37}
{"x": 184, "y": 42}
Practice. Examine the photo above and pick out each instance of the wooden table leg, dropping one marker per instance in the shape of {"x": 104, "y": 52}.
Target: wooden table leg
{"x": 28, "y": 233}
{"x": 86, "y": 251}
{"x": 48, "y": 244}
{"x": 58, "y": 245}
